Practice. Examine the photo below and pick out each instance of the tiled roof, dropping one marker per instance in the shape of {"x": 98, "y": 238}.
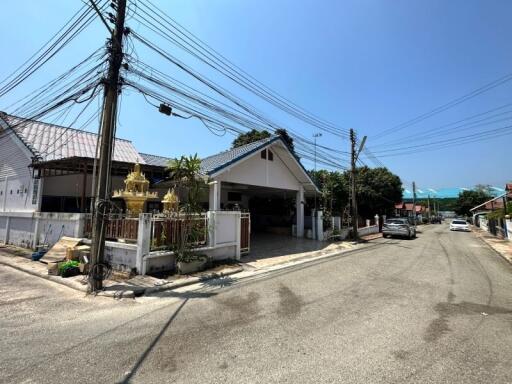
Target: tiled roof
{"x": 212, "y": 164}
{"x": 53, "y": 142}
{"x": 158, "y": 161}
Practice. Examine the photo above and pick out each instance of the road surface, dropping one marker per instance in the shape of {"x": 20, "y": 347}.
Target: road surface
{"x": 437, "y": 309}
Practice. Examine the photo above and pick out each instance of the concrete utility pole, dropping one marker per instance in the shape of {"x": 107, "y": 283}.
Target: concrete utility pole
{"x": 414, "y": 202}
{"x": 315, "y": 136}
{"x": 428, "y": 204}
{"x": 108, "y": 121}
{"x": 353, "y": 160}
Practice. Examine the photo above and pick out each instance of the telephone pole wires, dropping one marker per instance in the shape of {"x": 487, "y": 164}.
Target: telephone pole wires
{"x": 108, "y": 122}
{"x": 353, "y": 171}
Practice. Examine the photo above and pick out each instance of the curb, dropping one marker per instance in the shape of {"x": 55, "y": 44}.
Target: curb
{"x": 481, "y": 238}
{"x": 124, "y": 294}
{"x": 55, "y": 279}
{"x": 192, "y": 280}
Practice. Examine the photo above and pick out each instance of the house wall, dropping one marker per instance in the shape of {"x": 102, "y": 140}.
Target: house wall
{"x": 18, "y": 190}
{"x": 71, "y": 185}
{"x": 261, "y": 172}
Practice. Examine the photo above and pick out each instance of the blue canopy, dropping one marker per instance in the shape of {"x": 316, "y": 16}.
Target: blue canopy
{"x": 444, "y": 193}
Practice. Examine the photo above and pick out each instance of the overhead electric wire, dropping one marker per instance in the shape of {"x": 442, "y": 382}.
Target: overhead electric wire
{"x": 84, "y": 19}
{"x": 493, "y": 84}
{"x": 178, "y": 35}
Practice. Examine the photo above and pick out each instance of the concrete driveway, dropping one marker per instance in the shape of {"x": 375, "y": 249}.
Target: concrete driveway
{"x": 437, "y": 309}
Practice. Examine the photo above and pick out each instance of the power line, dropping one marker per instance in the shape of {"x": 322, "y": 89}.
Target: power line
{"x": 493, "y": 84}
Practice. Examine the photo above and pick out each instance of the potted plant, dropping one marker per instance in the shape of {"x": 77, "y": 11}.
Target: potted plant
{"x": 185, "y": 173}
{"x": 69, "y": 268}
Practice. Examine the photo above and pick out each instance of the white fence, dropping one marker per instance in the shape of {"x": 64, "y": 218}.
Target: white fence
{"x": 27, "y": 229}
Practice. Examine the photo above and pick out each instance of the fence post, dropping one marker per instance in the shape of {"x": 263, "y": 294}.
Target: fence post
{"x": 367, "y": 222}
{"x": 36, "y": 230}
{"x": 319, "y": 226}
{"x": 238, "y": 220}
{"x": 211, "y": 228}
{"x": 143, "y": 241}
{"x": 7, "y": 229}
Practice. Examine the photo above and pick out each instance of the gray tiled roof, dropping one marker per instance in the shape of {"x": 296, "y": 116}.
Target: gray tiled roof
{"x": 53, "y": 142}
{"x": 158, "y": 161}
{"x": 212, "y": 164}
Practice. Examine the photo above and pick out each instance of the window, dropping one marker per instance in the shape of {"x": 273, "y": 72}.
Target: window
{"x": 264, "y": 154}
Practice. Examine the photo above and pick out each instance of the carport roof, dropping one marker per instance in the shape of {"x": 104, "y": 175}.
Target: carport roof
{"x": 216, "y": 164}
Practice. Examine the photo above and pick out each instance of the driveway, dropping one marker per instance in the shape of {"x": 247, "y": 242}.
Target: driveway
{"x": 437, "y": 309}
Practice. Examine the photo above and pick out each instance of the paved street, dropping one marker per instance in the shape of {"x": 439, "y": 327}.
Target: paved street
{"x": 437, "y": 309}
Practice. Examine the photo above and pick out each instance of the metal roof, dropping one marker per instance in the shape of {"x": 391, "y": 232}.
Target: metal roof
{"x": 215, "y": 163}
{"x": 53, "y": 142}
{"x": 157, "y": 161}
{"x": 443, "y": 193}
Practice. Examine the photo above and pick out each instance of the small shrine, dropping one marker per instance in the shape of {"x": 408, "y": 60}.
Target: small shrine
{"x": 170, "y": 201}
{"x": 135, "y": 192}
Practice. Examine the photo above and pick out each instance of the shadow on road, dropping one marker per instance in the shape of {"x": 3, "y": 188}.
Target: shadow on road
{"x": 150, "y": 347}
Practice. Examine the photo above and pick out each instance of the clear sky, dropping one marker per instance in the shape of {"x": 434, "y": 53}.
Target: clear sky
{"x": 366, "y": 64}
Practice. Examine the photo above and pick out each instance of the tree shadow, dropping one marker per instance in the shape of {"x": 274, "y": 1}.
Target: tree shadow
{"x": 217, "y": 282}
{"x": 152, "y": 345}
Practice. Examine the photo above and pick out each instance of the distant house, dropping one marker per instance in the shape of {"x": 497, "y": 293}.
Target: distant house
{"x": 406, "y": 209}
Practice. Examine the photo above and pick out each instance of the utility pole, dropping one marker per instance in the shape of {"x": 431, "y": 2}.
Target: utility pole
{"x": 315, "y": 136}
{"x": 108, "y": 121}
{"x": 414, "y": 202}
{"x": 428, "y": 204}
{"x": 353, "y": 205}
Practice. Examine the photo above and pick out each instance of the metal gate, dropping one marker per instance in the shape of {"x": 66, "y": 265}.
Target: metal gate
{"x": 245, "y": 232}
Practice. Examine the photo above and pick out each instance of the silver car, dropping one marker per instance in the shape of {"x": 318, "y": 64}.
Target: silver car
{"x": 398, "y": 227}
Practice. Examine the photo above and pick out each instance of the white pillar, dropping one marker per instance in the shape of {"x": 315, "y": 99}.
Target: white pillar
{"x": 299, "y": 202}
{"x": 214, "y": 197}
{"x": 211, "y": 228}
{"x": 367, "y": 222}
{"x": 7, "y": 229}
{"x": 313, "y": 224}
{"x": 238, "y": 237}
{"x": 319, "y": 226}
{"x": 143, "y": 242}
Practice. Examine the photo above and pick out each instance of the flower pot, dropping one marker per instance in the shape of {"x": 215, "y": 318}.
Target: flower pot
{"x": 188, "y": 267}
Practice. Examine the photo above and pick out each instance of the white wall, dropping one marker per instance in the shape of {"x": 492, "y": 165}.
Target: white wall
{"x": 262, "y": 172}
{"x": 71, "y": 185}
{"x": 16, "y": 182}
{"x": 27, "y": 229}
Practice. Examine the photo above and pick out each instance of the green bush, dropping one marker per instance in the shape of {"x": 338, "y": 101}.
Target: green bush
{"x": 63, "y": 267}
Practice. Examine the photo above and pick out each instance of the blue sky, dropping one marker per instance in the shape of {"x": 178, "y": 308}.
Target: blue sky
{"x": 366, "y": 64}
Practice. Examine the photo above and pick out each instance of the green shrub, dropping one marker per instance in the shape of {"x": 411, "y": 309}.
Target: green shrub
{"x": 63, "y": 267}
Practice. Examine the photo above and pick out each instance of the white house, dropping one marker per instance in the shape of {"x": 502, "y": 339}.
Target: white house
{"x": 46, "y": 186}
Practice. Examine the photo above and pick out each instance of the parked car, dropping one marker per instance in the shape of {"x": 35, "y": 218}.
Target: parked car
{"x": 459, "y": 225}
{"x": 398, "y": 227}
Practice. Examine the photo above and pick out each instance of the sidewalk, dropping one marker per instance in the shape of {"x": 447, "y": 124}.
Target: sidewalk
{"x": 19, "y": 259}
{"x": 503, "y": 247}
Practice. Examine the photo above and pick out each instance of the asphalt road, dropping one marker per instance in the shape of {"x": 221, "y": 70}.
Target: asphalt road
{"x": 437, "y": 309}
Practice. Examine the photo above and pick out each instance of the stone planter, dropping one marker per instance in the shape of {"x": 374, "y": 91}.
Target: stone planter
{"x": 186, "y": 268}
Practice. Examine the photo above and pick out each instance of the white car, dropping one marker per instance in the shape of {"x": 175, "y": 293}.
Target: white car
{"x": 459, "y": 225}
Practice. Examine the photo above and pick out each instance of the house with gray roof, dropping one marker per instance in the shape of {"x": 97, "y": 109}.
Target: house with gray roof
{"x": 47, "y": 169}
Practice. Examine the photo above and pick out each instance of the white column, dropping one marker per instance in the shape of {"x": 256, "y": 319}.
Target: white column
{"x": 299, "y": 201}
{"x": 319, "y": 226}
{"x": 143, "y": 242}
{"x": 214, "y": 197}
{"x": 7, "y": 229}
{"x": 238, "y": 237}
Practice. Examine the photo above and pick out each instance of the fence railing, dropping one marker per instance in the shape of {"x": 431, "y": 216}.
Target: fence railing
{"x": 116, "y": 227}
{"x": 166, "y": 231}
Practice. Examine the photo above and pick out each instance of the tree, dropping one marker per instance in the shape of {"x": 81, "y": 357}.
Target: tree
{"x": 250, "y": 137}
{"x": 378, "y": 190}
{"x": 288, "y": 140}
{"x": 470, "y": 199}
{"x": 255, "y": 135}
